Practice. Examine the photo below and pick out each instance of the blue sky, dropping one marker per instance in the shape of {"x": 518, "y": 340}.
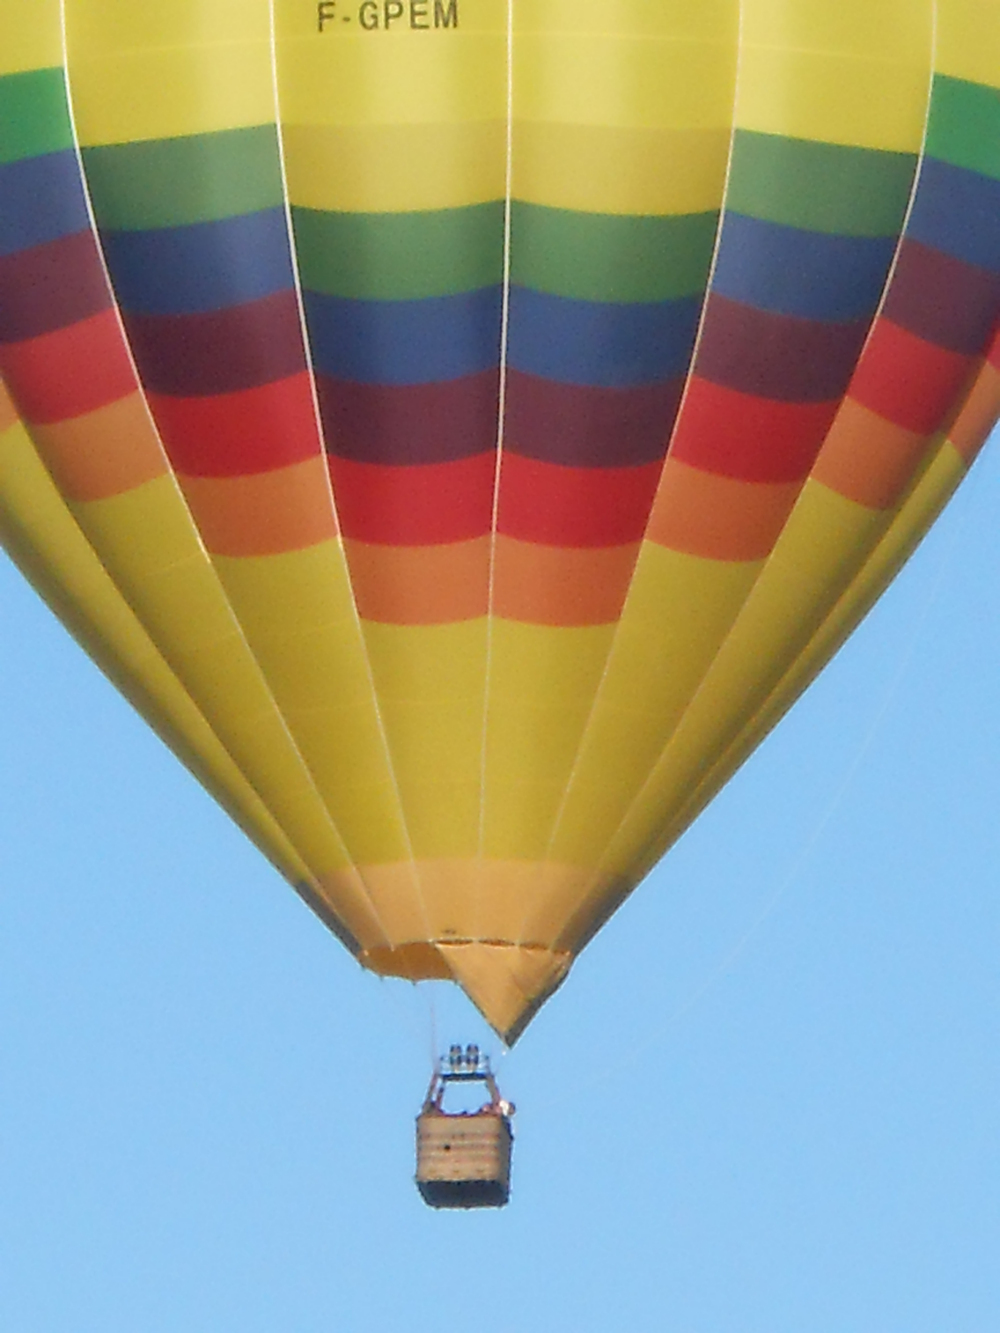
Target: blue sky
{"x": 767, "y": 1100}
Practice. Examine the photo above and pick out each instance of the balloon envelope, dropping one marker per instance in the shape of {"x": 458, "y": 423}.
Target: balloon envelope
{"x": 463, "y": 427}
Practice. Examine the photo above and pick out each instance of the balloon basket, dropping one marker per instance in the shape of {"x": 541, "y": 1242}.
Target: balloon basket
{"x": 463, "y": 1157}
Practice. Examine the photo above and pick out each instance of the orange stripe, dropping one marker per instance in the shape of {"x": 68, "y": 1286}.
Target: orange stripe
{"x": 263, "y": 513}
{"x": 8, "y": 412}
{"x": 555, "y": 585}
{"x": 720, "y": 518}
{"x": 104, "y": 452}
{"x": 420, "y": 585}
{"x": 978, "y": 415}
{"x": 867, "y": 458}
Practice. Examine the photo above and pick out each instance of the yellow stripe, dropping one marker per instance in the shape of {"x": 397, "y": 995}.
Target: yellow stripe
{"x": 42, "y": 538}
{"x": 406, "y": 78}
{"x": 598, "y": 169}
{"x": 542, "y": 684}
{"x": 826, "y": 539}
{"x": 801, "y": 599}
{"x": 631, "y": 82}
{"x": 393, "y": 121}
{"x": 628, "y": 118}
{"x": 395, "y": 168}
{"x": 623, "y": 108}
{"x": 679, "y": 20}
{"x": 297, "y": 612}
{"x": 679, "y": 610}
{"x": 854, "y": 73}
{"x": 296, "y": 23}
{"x": 160, "y": 71}
{"x": 146, "y": 542}
{"x": 32, "y": 35}
{"x": 118, "y": 25}
{"x": 548, "y": 666}
{"x": 429, "y": 682}
{"x": 907, "y": 529}
{"x": 968, "y": 40}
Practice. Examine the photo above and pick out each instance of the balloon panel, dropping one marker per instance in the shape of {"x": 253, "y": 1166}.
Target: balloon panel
{"x": 489, "y": 417}
{"x": 40, "y": 535}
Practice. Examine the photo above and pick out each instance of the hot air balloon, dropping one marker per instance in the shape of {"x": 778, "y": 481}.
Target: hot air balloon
{"x": 462, "y": 428}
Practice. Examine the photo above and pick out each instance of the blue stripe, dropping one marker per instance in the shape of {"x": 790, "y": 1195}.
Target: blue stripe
{"x": 958, "y": 212}
{"x": 201, "y": 267}
{"x": 809, "y": 274}
{"x": 405, "y": 342}
{"x": 41, "y": 200}
{"x": 600, "y": 344}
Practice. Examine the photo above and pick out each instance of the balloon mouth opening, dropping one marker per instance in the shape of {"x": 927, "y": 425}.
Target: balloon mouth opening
{"x": 418, "y": 961}
{"x": 507, "y": 982}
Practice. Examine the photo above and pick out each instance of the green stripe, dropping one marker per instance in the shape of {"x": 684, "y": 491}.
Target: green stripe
{"x": 964, "y": 127}
{"x": 174, "y": 182}
{"x": 400, "y": 256}
{"x": 819, "y": 186}
{"x": 34, "y": 117}
{"x": 585, "y": 256}
{"x": 606, "y": 257}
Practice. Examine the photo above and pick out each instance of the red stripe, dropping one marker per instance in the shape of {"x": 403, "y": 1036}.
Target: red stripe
{"x": 737, "y": 435}
{"x": 237, "y": 434}
{"x": 69, "y": 372}
{"x": 909, "y": 381}
{"x": 422, "y": 505}
{"x": 568, "y": 506}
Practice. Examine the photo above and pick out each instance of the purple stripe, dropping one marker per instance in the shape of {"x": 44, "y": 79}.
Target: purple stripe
{"x": 51, "y": 286}
{"x": 399, "y": 425}
{"x": 223, "y": 351}
{"x": 582, "y": 426}
{"x": 943, "y": 300}
{"x": 777, "y": 356}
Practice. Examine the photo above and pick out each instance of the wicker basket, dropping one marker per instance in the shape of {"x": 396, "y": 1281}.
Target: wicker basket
{"x": 463, "y": 1161}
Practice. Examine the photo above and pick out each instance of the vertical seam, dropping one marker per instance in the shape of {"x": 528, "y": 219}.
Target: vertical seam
{"x": 321, "y": 435}
{"x": 140, "y": 388}
{"x": 588, "y": 724}
{"x": 768, "y": 560}
{"x": 750, "y": 728}
{"x": 501, "y": 415}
